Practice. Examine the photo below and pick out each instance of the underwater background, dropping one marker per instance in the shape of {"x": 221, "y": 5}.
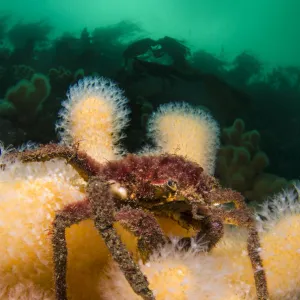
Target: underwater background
{"x": 239, "y": 60}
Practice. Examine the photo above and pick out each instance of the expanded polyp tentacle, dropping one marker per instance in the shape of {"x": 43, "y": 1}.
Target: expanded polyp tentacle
{"x": 103, "y": 208}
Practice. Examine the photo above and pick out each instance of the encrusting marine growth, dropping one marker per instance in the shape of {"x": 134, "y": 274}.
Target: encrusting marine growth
{"x": 103, "y": 184}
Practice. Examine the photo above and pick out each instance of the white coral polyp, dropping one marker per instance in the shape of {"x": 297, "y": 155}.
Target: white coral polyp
{"x": 178, "y": 128}
{"x": 94, "y": 116}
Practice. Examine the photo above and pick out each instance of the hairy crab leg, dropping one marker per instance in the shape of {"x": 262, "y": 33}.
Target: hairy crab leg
{"x": 71, "y": 214}
{"x": 243, "y": 218}
{"x": 80, "y": 161}
{"x": 210, "y": 232}
{"x": 212, "y": 229}
{"x": 145, "y": 227}
{"x": 103, "y": 213}
{"x": 222, "y": 196}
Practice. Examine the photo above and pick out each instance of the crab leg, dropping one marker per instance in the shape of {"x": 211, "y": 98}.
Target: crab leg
{"x": 243, "y": 218}
{"x": 211, "y": 231}
{"x": 145, "y": 227}
{"x": 71, "y": 214}
{"x": 103, "y": 210}
{"x": 222, "y": 196}
{"x": 85, "y": 165}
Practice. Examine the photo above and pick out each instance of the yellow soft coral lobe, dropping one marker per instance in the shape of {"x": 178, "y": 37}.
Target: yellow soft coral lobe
{"x": 281, "y": 243}
{"x": 30, "y": 195}
{"x": 181, "y": 129}
{"x": 282, "y": 258}
{"x": 280, "y": 249}
{"x": 93, "y": 116}
{"x": 180, "y": 276}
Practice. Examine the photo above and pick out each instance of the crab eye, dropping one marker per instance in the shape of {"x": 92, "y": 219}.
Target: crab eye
{"x": 172, "y": 185}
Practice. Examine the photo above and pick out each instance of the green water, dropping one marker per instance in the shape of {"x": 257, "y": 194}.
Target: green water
{"x": 270, "y": 29}
{"x": 239, "y": 59}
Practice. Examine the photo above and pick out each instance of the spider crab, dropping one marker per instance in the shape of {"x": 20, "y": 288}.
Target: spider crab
{"x": 134, "y": 189}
